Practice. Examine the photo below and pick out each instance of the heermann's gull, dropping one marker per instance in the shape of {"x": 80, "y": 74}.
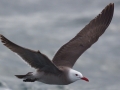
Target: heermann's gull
{"x": 59, "y": 70}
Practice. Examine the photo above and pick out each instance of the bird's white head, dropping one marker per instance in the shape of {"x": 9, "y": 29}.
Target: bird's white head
{"x": 75, "y": 75}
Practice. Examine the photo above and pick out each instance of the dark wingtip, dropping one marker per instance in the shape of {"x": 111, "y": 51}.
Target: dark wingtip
{"x": 111, "y": 4}
{"x": 2, "y": 38}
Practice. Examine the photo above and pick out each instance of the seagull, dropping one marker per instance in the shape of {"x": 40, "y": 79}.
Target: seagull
{"x": 59, "y": 70}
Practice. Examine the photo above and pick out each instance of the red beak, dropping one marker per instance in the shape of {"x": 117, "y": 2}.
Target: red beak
{"x": 84, "y": 78}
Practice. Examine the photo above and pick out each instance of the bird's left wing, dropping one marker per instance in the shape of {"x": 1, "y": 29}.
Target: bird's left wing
{"x": 70, "y": 52}
{"x": 34, "y": 58}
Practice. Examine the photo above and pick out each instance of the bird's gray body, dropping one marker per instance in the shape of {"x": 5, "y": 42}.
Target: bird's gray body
{"x": 49, "y": 78}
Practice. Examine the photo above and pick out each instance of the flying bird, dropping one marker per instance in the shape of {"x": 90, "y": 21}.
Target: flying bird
{"x": 59, "y": 70}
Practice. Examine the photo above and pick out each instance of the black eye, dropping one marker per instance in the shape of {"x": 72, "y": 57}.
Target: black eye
{"x": 76, "y": 74}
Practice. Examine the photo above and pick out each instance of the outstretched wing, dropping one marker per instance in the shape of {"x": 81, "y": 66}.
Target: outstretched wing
{"x": 34, "y": 58}
{"x": 70, "y": 52}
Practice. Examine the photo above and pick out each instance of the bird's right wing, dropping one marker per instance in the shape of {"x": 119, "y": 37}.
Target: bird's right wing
{"x": 35, "y": 58}
{"x": 71, "y": 51}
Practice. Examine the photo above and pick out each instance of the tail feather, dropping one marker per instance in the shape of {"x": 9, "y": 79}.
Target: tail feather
{"x": 20, "y": 76}
{"x": 27, "y": 78}
{"x": 24, "y": 76}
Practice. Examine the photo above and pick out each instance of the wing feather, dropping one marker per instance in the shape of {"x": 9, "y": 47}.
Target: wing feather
{"x": 71, "y": 51}
{"x": 35, "y": 58}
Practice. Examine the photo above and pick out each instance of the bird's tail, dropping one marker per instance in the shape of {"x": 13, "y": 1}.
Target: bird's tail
{"x": 20, "y": 76}
{"x": 27, "y": 78}
{"x": 24, "y": 76}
